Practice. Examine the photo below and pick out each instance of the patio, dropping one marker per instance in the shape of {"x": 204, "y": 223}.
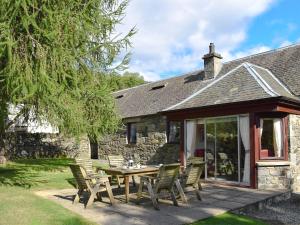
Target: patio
{"x": 216, "y": 199}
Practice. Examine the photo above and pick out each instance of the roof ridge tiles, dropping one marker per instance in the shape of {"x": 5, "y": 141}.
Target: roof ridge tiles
{"x": 263, "y": 53}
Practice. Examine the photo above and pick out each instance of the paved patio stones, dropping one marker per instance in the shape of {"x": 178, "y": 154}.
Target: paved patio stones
{"x": 216, "y": 199}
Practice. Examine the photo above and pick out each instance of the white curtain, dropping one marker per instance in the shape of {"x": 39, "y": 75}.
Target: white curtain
{"x": 245, "y": 135}
{"x": 261, "y": 125}
{"x": 190, "y": 138}
{"x": 172, "y": 132}
{"x": 277, "y": 137}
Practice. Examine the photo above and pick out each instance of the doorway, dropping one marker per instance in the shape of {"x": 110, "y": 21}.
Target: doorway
{"x": 94, "y": 150}
{"x": 221, "y": 142}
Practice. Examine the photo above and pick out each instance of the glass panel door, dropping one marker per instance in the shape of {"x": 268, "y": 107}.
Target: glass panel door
{"x": 210, "y": 148}
{"x": 227, "y": 149}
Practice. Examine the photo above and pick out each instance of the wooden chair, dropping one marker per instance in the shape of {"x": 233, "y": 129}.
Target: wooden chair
{"x": 87, "y": 164}
{"x": 191, "y": 176}
{"x": 94, "y": 185}
{"x": 189, "y": 161}
{"x": 166, "y": 179}
{"x": 116, "y": 161}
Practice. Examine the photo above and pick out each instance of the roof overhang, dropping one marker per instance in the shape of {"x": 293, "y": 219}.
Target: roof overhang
{"x": 272, "y": 104}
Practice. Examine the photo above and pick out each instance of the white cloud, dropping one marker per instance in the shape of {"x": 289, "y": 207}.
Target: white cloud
{"x": 173, "y": 35}
{"x": 251, "y": 51}
{"x": 285, "y": 43}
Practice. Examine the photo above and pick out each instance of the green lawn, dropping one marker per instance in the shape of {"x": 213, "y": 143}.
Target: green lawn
{"x": 229, "y": 219}
{"x": 20, "y": 206}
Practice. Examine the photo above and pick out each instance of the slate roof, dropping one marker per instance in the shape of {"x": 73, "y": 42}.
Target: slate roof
{"x": 270, "y": 74}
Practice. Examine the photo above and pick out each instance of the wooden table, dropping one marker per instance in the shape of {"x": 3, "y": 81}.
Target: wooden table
{"x": 126, "y": 173}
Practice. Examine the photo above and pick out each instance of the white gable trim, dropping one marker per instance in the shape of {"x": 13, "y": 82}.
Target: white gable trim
{"x": 274, "y": 77}
{"x": 267, "y": 88}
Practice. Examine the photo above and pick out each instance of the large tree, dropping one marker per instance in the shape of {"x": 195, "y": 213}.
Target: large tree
{"x": 126, "y": 80}
{"x": 52, "y": 53}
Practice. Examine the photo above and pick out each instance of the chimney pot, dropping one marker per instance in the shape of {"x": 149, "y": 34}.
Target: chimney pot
{"x": 212, "y": 63}
{"x": 211, "y": 48}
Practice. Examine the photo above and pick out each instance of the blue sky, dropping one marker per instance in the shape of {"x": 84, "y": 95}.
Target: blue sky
{"x": 279, "y": 25}
{"x": 173, "y": 35}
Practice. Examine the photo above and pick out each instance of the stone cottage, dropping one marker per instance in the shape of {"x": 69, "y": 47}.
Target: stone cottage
{"x": 242, "y": 117}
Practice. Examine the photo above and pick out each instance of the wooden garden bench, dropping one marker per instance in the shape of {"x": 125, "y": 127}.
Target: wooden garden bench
{"x": 166, "y": 179}
{"x": 94, "y": 185}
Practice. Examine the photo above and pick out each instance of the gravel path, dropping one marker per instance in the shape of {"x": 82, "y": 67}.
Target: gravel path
{"x": 282, "y": 213}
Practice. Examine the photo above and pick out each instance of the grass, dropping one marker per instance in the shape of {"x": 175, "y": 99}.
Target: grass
{"x": 229, "y": 219}
{"x": 19, "y": 205}
{"x": 38, "y": 174}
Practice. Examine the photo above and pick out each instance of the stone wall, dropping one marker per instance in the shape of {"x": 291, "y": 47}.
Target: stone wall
{"x": 294, "y": 150}
{"x": 151, "y": 146}
{"x": 26, "y": 145}
{"x": 273, "y": 177}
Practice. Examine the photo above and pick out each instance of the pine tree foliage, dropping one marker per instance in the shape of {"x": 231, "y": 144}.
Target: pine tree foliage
{"x": 51, "y": 55}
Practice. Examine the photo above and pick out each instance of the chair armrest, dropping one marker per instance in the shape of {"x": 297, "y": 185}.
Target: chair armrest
{"x": 97, "y": 176}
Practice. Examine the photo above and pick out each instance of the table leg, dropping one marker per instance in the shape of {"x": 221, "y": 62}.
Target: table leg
{"x": 126, "y": 178}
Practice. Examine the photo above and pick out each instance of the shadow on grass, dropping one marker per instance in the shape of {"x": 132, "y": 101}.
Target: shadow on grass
{"x": 27, "y": 173}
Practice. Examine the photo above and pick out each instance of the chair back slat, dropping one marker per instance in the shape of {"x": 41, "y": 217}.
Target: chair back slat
{"x": 194, "y": 159}
{"x": 87, "y": 164}
{"x": 115, "y": 160}
{"x": 167, "y": 175}
{"x": 194, "y": 172}
{"x": 80, "y": 175}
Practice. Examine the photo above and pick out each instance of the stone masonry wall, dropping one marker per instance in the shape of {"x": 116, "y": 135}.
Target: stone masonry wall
{"x": 26, "y": 145}
{"x": 294, "y": 150}
{"x": 151, "y": 146}
{"x": 273, "y": 177}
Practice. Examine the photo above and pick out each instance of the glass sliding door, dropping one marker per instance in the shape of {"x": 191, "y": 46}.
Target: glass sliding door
{"x": 225, "y": 145}
{"x": 210, "y": 150}
{"x": 227, "y": 149}
{"x": 222, "y": 150}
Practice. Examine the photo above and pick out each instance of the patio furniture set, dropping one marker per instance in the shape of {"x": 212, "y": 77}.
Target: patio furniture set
{"x": 170, "y": 177}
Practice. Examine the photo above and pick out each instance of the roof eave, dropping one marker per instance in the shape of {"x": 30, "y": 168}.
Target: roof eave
{"x": 280, "y": 99}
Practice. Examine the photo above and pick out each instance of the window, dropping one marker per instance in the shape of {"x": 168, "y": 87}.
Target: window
{"x": 158, "y": 87}
{"x": 145, "y": 132}
{"x": 271, "y": 138}
{"x": 131, "y": 133}
{"x": 119, "y": 96}
{"x": 174, "y": 132}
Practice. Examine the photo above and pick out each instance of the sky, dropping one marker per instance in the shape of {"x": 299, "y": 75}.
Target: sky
{"x": 173, "y": 35}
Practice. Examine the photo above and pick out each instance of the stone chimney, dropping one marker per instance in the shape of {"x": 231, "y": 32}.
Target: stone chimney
{"x": 212, "y": 63}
